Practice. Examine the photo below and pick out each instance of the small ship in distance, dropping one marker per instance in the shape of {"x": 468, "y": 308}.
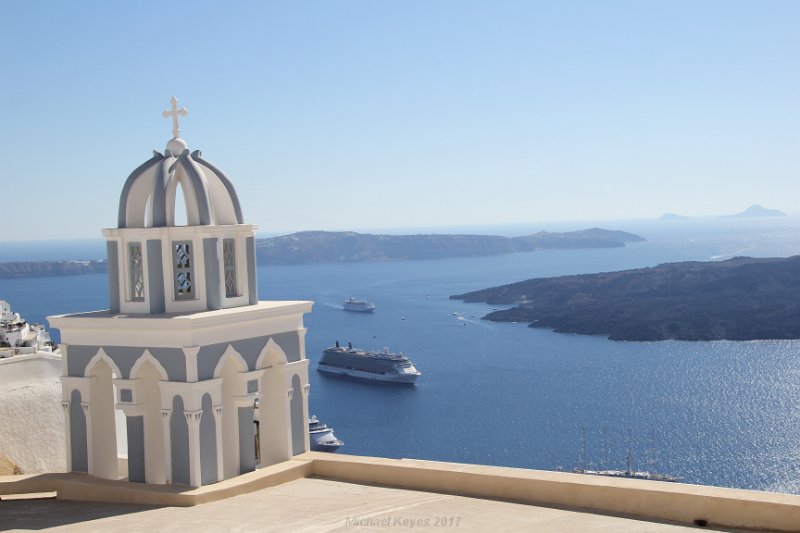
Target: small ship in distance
{"x": 358, "y": 305}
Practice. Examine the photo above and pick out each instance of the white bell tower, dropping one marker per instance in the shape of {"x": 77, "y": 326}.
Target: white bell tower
{"x": 185, "y": 349}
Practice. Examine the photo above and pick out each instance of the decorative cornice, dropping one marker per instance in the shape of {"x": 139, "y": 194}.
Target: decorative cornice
{"x": 193, "y": 417}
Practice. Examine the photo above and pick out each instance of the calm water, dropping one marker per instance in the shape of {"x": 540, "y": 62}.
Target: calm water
{"x": 719, "y": 413}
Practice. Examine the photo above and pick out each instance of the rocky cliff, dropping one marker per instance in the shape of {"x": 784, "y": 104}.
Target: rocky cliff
{"x": 26, "y": 269}
{"x": 333, "y": 247}
{"x": 739, "y": 299}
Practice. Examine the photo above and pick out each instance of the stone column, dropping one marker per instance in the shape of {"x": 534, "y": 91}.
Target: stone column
{"x": 89, "y": 454}
{"x": 306, "y": 436}
{"x": 287, "y": 430}
{"x": 67, "y": 434}
{"x": 195, "y": 466}
{"x": 218, "y": 426}
{"x": 165, "y": 416}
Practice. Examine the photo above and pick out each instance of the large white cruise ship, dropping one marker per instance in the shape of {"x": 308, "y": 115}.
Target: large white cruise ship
{"x": 371, "y": 366}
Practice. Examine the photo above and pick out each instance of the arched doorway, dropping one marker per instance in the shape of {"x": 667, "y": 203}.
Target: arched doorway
{"x": 208, "y": 442}
{"x": 77, "y": 436}
{"x": 179, "y": 442}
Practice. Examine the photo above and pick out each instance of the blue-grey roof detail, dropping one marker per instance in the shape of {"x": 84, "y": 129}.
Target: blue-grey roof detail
{"x": 126, "y": 189}
{"x": 160, "y": 196}
{"x": 207, "y": 358}
{"x": 197, "y": 156}
{"x": 204, "y": 179}
{"x": 173, "y": 360}
{"x": 250, "y": 349}
{"x": 79, "y": 357}
{"x": 125, "y": 357}
{"x": 198, "y": 186}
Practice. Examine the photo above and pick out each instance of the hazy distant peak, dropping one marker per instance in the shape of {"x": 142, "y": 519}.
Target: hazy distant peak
{"x": 756, "y": 210}
{"x": 672, "y": 216}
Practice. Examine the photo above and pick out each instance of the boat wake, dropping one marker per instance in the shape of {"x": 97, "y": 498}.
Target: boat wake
{"x": 737, "y": 253}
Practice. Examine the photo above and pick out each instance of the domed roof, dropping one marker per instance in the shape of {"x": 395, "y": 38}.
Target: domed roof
{"x": 148, "y": 197}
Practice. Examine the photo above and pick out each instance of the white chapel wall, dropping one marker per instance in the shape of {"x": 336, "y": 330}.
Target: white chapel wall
{"x": 31, "y": 416}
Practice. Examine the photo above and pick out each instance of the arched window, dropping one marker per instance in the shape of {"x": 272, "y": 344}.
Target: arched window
{"x": 183, "y": 267}
{"x": 229, "y": 262}
{"x": 136, "y": 272}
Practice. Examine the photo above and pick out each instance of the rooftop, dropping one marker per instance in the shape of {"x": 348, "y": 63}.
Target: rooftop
{"x": 325, "y": 492}
{"x": 312, "y": 504}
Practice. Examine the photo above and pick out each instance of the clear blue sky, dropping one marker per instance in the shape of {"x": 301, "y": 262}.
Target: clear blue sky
{"x": 353, "y": 114}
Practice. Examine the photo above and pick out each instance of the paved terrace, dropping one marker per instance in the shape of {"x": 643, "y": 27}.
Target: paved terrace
{"x": 320, "y": 492}
{"x": 315, "y": 505}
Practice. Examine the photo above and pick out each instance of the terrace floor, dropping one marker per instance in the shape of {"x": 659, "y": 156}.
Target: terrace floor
{"x": 314, "y": 504}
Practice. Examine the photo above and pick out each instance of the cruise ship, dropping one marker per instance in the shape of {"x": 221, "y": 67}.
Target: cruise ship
{"x": 321, "y": 436}
{"x": 358, "y": 305}
{"x": 372, "y": 366}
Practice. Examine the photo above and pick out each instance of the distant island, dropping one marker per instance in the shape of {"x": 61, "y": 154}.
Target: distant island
{"x": 757, "y": 211}
{"x": 349, "y": 246}
{"x": 738, "y": 299}
{"x": 35, "y": 269}
{"x": 672, "y": 216}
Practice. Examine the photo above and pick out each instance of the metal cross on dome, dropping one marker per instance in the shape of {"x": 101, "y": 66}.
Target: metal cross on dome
{"x": 176, "y": 131}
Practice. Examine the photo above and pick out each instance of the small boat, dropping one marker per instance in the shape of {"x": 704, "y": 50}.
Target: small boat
{"x": 358, "y": 305}
{"x": 629, "y": 472}
{"x": 321, "y": 436}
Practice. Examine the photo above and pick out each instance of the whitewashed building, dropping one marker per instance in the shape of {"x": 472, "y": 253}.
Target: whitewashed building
{"x": 186, "y": 347}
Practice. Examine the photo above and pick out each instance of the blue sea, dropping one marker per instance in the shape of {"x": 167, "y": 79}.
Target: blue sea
{"x": 716, "y": 413}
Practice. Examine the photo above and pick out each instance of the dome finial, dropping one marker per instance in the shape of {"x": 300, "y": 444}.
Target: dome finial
{"x": 176, "y": 131}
